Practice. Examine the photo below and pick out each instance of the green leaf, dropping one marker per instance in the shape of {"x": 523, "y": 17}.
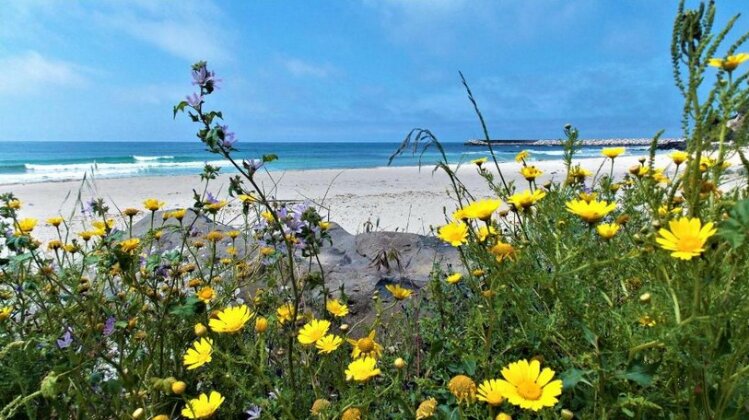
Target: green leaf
{"x": 180, "y": 107}
{"x": 734, "y": 230}
{"x": 189, "y": 308}
{"x": 571, "y": 377}
{"x": 269, "y": 158}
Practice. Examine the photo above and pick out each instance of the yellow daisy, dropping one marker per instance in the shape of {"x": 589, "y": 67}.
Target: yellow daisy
{"x": 199, "y": 354}
{"x": 482, "y": 209}
{"x": 612, "y": 152}
{"x": 729, "y": 63}
{"x": 336, "y": 308}
{"x": 204, "y": 406}
{"x": 454, "y": 278}
{"x": 592, "y": 211}
{"x": 489, "y": 393}
{"x": 530, "y": 173}
{"x": 455, "y": 233}
{"x": 231, "y": 319}
{"x": 528, "y": 387}
{"x": 365, "y": 347}
{"x": 313, "y": 331}
{"x": 328, "y": 344}
{"x": 607, "y": 230}
{"x": 398, "y": 292}
{"x": 686, "y": 237}
{"x": 362, "y": 369}
{"x": 525, "y": 199}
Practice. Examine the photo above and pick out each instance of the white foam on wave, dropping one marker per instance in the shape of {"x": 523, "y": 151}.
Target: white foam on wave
{"x": 75, "y": 171}
{"x": 150, "y": 158}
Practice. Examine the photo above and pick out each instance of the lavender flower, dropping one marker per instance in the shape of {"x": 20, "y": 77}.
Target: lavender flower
{"x": 252, "y": 165}
{"x": 229, "y": 136}
{"x": 202, "y": 77}
{"x": 211, "y": 199}
{"x": 66, "y": 340}
{"x": 253, "y": 413}
{"x": 194, "y": 100}
{"x": 108, "y": 327}
{"x": 88, "y": 209}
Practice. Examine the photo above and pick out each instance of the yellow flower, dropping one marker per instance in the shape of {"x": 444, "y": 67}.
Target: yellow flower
{"x": 489, "y": 392}
{"x": 477, "y": 272}
{"x": 99, "y": 224}
{"x": 130, "y": 212}
{"x": 313, "y": 331}
{"x": 463, "y": 388}
{"x": 730, "y": 63}
{"x": 592, "y": 211}
{"x": 178, "y": 388}
{"x": 261, "y": 324}
{"x": 351, "y": 413}
{"x": 482, "y": 209}
{"x": 455, "y": 233}
{"x": 328, "y": 344}
{"x": 399, "y": 363}
{"x": 199, "y": 354}
{"x": 503, "y": 416}
{"x": 153, "y": 204}
{"x": 398, "y": 292}
{"x": 365, "y": 347}
{"x": 247, "y": 198}
{"x": 679, "y": 157}
{"x": 285, "y": 313}
{"x": 214, "y": 235}
{"x": 530, "y": 173}
{"x": 503, "y": 251}
{"x": 579, "y": 173}
{"x": 320, "y": 405}
{"x": 362, "y": 369}
{"x": 607, "y": 230}
{"x": 214, "y": 207}
{"x": 484, "y": 232}
{"x": 686, "y": 237}
{"x": 178, "y": 214}
{"x": 267, "y": 250}
{"x": 526, "y": 199}
{"x": 86, "y": 235}
{"x": 612, "y": 152}
{"x": 480, "y": 161}
{"x": 660, "y": 177}
{"x": 55, "y": 221}
{"x": 336, "y": 308}
{"x": 233, "y": 234}
{"x": 231, "y": 319}
{"x": 706, "y": 162}
{"x": 5, "y": 313}
{"x": 203, "y": 406}
{"x": 27, "y": 225}
{"x": 527, "y": 386}
{"x": 54, "y": 245}
{"x": 523, "y": 155}
{"x": 460, "y": 214}
{"x": 14, "y": 204}
{"x": 426, "y": 409}
{"x": 206, "y": 294}
{"x": 454, "y": 278}
{"x": 71, "y": 248}
{"x": 324, "y": 225}
{"x": 646, "y": 321}
{"x": 129, "y": 245}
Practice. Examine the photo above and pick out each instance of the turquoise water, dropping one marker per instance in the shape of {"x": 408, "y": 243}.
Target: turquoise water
{"x": 23, "y": 162}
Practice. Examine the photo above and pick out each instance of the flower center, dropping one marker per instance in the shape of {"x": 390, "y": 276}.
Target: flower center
{"x": 366, "y": 345}
{"x": 529, "y": 390}
{"x": 689, "y": 243}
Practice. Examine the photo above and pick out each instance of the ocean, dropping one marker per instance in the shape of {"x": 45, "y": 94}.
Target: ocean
{"x": 38, "y": 161}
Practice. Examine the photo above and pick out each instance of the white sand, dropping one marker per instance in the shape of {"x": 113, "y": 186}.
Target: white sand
{"x": 402, "y": 198}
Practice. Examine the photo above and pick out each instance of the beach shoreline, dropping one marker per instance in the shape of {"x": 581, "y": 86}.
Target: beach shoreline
{"x": 402, "y": 198}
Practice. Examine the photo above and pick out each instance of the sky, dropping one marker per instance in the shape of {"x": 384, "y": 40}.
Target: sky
{"x": 358, "y": 70}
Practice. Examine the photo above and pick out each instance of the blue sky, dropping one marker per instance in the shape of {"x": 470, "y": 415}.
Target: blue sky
{"x": 359, "y": 70}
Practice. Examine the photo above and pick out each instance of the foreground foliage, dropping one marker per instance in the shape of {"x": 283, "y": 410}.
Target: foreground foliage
{"x": 593, "y": 296}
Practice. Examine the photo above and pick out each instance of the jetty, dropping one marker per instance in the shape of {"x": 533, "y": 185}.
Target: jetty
{"x": 666, "y": 143}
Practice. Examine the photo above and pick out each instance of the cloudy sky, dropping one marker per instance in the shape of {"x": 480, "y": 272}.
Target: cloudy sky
{"x": 359, "y": 70}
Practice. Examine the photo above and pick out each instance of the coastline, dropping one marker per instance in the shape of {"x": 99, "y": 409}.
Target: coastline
{"x": 403, "y": 198}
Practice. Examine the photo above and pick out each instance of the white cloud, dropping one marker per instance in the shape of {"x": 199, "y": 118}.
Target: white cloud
{"x": 302, "y": 68}
{"x": 183, "y": 30}
{"x": 30, "y": 72}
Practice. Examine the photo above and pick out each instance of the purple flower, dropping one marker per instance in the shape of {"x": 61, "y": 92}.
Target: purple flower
{"x": 229, "y": 136}
{"x": 66, "y": 340}
{"x": 253, "y": 413}
{"x": 203, "y": 77}
{"x": 253, "y": 164}
{"x": 211, "y": 199}
{"x": 194, "y": 100}
{"x": 89, "y": 207}
{"x": 108, "y": 327}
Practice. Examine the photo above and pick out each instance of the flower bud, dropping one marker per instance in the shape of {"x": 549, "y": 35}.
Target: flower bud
{"x": 343, "y": 327}
{"x": 567, "y": 414}
{"x": 645, "y": 298}
{"x": 399, "y": 363}
{"x": 200, "y": 329}
{"x": 138, "y": 413}
{"x": 179, "y": 387}
{"x": 261, "y": 325}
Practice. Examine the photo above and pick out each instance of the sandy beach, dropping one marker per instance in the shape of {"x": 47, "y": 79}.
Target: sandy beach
{"x": 390, "y": 198}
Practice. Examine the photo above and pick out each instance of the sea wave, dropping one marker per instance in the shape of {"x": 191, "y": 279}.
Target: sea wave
{"x": 151, "y": 158}
{"x": 74, "y": 171}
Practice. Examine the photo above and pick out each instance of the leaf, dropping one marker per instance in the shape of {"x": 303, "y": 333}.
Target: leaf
{"x": 571, "y": 377}
{"x": 640, "y": 373}
{"x": 180, "y": 107}
{"x": 189, "y": 308}
{"x": 590, "y": 337}
{"x": 734, "y": 230}
{"x": 270, "y": 158}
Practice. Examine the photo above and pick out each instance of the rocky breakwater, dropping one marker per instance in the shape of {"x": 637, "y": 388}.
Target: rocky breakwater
{"x": 667, "y": 143}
